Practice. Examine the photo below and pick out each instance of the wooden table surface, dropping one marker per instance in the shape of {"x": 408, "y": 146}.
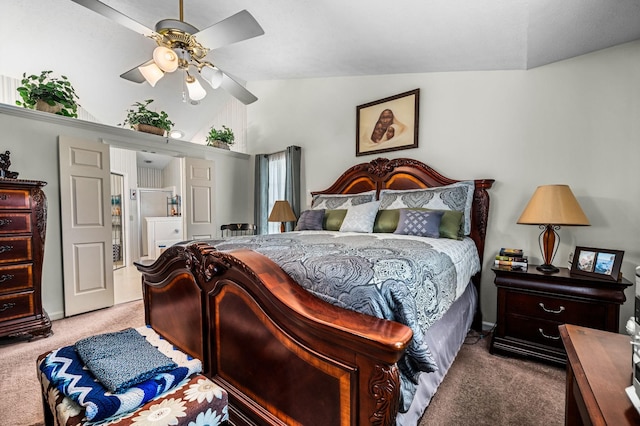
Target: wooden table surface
{"x": 600, "y": 363}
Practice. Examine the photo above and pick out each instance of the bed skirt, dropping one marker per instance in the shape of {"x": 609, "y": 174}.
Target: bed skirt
{"x": 445, "y": 337}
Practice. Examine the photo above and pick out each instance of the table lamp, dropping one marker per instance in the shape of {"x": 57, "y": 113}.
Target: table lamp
{"x": 282, "y": 213}
{"x": 550, "y": 207}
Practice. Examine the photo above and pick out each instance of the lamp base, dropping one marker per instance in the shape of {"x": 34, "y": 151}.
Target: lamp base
{"x": 547, "y": 269}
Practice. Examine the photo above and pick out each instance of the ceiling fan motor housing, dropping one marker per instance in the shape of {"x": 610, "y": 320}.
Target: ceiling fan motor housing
{"x": 178, "y": 34}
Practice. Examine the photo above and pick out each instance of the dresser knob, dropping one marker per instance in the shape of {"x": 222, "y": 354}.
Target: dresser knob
{"x": 5, "y": 277}
{"x": 546, "y": 336}
{"x": 6, "y": 306}
{"x": 551, "y": 311}
{"x": 5, "y": 248}
{"x": 4, "y": 222}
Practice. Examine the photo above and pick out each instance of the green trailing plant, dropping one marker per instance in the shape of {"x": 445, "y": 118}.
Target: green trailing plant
{"x": 140, "y": 114}
{"x": 225, "y": 135}
{"x": 51, "y": 90}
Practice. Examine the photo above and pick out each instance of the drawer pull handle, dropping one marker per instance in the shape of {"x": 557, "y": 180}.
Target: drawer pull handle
{"x": 5, "y": 277}
{"x": 551, "y": 311}
{"x": 4, "y": 197}
{"x": 547, "y": 336}
{"x": 4, "y": 249}
{"x": 4, "y": 222}
{"x": 6, "y": 306}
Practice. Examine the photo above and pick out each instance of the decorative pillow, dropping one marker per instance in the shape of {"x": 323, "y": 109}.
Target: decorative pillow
{"x": 360, "y": 218}
{"x": 310, "y": 220}
{"x": 333, "y": 219}
{"x": 420, "y": 223}
{"x": 341, "y": 201}
{"x": 457, "y": 196}
{"x": 386, "y": 221}
{"x": 450, "y": 225}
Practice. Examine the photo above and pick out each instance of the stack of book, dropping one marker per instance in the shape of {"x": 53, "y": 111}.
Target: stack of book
{"x": 511, "y": 259}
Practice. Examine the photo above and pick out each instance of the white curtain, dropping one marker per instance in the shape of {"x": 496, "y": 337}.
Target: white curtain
{"x": 277, "y": 180}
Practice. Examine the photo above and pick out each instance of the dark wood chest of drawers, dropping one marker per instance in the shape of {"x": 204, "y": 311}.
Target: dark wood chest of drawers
{"x": 532, "y": 304}
{"x": 23, "y": 219}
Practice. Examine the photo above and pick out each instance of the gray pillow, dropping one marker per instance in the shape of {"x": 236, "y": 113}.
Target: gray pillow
{"x": 310, "y": 220}
{"x": 420, "y": 223}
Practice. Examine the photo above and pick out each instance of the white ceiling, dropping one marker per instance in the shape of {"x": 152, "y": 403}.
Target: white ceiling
{"x": 303, "y": 39}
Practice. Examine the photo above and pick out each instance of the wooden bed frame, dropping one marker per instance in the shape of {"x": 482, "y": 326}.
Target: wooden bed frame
{"x": 284, "y": 356}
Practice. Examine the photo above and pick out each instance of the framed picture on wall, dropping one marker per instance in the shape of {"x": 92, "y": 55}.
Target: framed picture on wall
{"x": 388, "y": 124}
{"x": 602, "y": 264}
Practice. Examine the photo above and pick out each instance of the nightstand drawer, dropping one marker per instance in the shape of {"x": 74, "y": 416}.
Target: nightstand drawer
{"x": 15, "y": 249}
{"x": 15, "y": 223}
{"x": 16, "y": 306}
{"x": 558, "y": 309}
{"x": 16, "y": 278}
{"x": 538, "y": 331}
{"x": 14, "y": 199}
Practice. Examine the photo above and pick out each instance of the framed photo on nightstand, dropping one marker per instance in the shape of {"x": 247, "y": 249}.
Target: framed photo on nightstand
{"x": 601, "y": 264}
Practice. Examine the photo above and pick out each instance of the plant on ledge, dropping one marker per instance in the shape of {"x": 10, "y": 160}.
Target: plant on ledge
{"x": 144, "y": 120}
{"x": 220, "y": 138}
{"x": 49, "y": 94}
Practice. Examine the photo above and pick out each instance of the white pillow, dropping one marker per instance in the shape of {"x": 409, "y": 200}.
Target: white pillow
{"x": 360, "y": 218}
{"x": 457, "y": 196}
{"x": 341, "y": 201}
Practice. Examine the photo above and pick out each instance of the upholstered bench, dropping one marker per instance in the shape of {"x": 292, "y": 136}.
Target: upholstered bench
{"x": 192, "y": 400}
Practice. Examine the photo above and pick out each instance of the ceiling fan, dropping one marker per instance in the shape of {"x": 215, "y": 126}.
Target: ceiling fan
{"x": 181, "y": 46}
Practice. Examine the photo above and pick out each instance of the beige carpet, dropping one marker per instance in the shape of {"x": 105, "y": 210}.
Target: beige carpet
{"x": 480, "y": 389}
{"x": 20, "y": 402}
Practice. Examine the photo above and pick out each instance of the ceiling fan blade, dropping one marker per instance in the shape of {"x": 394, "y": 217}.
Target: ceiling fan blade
{"x": 114, "y": 15}
{"x": 134, "y": 74}
{"x": 235, "y": 28}
{"x": 237, "y": 90}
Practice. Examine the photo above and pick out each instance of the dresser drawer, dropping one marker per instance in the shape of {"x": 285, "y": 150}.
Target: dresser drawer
{"x": 561, "y": 310}
{"x": 16, "y": 306}
{"x": 16, "y": 278}
{"x": 15, "y": 223}
{"x": 14, "y": 199}
{"x": 15, "y": 249}
{"x": 538, "y": 331}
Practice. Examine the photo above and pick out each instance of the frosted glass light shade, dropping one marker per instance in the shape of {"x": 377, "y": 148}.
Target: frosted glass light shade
{"x": 165, "y": 58}
{"x": 196, "y": 91}
{"x": 212, "y": 75}
{"x": 151, "y": 73}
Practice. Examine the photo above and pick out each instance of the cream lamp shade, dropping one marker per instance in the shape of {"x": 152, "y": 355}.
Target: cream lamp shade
{"x": 282, "y": 213}
{"x": 165, "y": 58}
{"x": 195, "y": 89}
{"x": 550, "y": 207}
{"x": 212, "y": 75}
{"x": 151, "y": 73}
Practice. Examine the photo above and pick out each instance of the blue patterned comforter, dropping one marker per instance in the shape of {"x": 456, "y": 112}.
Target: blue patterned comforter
{"x": 396, "y": 278}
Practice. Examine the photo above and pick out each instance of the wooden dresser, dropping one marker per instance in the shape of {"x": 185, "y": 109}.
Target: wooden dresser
{"x": 532, "y": 304}
{"x": 23, "y": 220}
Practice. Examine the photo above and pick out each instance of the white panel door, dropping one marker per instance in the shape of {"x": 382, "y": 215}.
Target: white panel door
{"x": 199, "y": 199}
{"x": 86, "y": 225}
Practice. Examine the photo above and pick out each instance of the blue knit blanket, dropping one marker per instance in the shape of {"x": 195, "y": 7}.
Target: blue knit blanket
{"x": 66, "y": 371}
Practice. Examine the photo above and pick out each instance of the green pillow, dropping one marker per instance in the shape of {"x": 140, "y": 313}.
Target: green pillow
{"x": 450, "y": 225}
{"x": 333, "y": 219}
{"x": 386, "y": 221}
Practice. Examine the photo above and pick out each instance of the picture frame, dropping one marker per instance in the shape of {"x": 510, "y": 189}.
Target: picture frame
{"x": 388, "y": 124}
{"x": 597, "y": 263}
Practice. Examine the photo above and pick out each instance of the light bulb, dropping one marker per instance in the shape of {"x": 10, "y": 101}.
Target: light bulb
{"x": 151, "y": 73}
{"x": 165, "y": 58}
{"x": 196, "y": 91}
{"x": 212, "y": 75}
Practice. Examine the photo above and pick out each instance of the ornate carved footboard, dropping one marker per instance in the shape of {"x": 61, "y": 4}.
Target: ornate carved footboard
{"x": 284, "y": 356}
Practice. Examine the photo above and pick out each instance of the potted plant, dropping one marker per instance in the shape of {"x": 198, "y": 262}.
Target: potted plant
{"x": 220, "y": 138}
{"x": 50, "y": 94}
{"x": 142, "y": 119}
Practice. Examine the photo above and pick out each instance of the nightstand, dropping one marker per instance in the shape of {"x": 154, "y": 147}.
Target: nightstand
{"x": 532, "y": 304}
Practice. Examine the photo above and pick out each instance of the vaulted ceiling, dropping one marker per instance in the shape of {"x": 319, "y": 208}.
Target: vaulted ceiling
{"x": 303, "y": 39}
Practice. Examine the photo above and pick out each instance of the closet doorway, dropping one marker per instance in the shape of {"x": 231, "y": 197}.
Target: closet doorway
{"x": 117, "y": 223}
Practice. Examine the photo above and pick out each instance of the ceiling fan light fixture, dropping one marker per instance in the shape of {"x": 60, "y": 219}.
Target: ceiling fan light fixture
{"x": 195, "y": 89}
{"x": 212, "y": 75}
{"x": 165, "y": 58}
{"x": 151, "y": 73}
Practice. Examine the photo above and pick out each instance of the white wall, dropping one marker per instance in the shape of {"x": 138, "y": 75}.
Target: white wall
{"x": 32, "y": 138}
{"x": 574, "y": 122}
